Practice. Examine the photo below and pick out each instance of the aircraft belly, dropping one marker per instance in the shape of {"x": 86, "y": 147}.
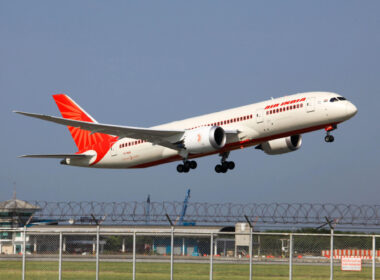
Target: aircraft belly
{"x": 126, "y": 158}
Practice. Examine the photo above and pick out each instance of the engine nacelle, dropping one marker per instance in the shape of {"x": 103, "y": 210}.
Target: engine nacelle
{"x": 282, "y": 145}
{"x": 204, "y": 139}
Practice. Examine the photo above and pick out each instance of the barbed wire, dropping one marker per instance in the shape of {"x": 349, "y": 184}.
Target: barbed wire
{"x": 211, "y": 213}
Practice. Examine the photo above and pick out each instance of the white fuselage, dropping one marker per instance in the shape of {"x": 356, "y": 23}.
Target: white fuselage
{"x": 256, "y": 123}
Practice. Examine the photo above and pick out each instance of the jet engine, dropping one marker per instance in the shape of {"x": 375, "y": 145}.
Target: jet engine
{"x": 281, "y": 145}
{"x": 204, "y": 139}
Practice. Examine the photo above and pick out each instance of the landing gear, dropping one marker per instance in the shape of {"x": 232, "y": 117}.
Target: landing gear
{"x": 329, "y": 138}
{"x": 186, "y": 166}
{"x": 225, "y": 165}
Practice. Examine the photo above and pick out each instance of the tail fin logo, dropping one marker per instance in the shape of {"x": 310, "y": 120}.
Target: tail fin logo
{"x": 83, "y": 139}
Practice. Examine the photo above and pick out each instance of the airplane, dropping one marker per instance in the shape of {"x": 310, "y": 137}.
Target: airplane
{"x": 274, "y": 126}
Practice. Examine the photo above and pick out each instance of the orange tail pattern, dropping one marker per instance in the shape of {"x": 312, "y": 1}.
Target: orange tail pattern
{"x": 83, "y": 139}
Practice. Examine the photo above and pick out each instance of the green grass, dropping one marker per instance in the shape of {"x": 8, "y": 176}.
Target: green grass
{"x": 10, "y": 270}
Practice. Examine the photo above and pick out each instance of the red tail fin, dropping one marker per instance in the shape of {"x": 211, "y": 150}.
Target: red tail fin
{"x": 82, "y": 138}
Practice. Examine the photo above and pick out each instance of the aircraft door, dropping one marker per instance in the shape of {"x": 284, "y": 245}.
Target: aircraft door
{"x": 113, "y": 149}
{"x": 260, "y": 116}
{"x": 310, "y": 104}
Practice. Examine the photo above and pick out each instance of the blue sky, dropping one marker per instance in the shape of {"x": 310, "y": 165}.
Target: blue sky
{"x": 143, "y": 63}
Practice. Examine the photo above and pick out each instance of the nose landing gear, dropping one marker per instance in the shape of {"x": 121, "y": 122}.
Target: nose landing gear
{"x": 329, "y": 138}
{"x": 225, "y": 165}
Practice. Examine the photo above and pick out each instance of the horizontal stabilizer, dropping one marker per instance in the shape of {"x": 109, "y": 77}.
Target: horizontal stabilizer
{"x": 161, "y": 137}
{"x": 71, "y": 156}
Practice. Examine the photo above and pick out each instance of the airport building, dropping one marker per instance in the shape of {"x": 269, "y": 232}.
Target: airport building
{"x": 14, "y": 214}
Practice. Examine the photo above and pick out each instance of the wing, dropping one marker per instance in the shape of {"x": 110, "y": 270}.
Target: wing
{"x": 166, "y": 138}
{"x": 71, "y": 156}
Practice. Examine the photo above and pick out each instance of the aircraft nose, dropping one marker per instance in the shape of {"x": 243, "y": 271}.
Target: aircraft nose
{"x": 351, "y": 109}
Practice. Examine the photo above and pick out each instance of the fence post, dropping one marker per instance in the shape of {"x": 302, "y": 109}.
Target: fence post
{"x": 171, "y": 245}
{"x": 60, "y": 257}
{"x": 171, "y": 252}
{"x": 97, "y": 252}
{"x": 373, "y": 257}
{"x": 134, "y": 256}
{"x": 332, "y": 255}
{"x": 259, "y": 248}
{"x": 23, "y": 254}
{"x": 291, "y": 256}
{"x": 211, "y": 255}
{"x": 250, "y": 253}
{"x": 250, "y": 246}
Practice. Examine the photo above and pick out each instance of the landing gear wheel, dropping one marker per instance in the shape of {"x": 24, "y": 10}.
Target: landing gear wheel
{"x": 329, "y": 138}
{"x": 180, "y": 168}
{"x": 231, "y": 165}
{"x": 225, "y": 165}
{"x": 187, "y": 164}
{"x": 193, "y": 164}
{"x": 218, "y": 168}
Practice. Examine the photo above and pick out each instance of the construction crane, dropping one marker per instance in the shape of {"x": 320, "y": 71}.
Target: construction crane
{"x": 183, "y": 212}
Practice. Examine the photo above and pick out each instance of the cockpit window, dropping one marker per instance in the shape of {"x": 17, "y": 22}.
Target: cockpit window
{"x": 339, "y": 98}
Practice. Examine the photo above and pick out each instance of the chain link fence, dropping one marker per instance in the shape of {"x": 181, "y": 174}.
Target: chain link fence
{"x": 97, "y": 252}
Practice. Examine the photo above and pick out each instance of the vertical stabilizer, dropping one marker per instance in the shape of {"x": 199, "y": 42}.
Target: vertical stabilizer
{"x": 82, "y": 138}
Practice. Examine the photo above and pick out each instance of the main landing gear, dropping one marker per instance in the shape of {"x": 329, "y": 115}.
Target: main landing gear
{"x": 186, "y": 166}
{"x": 225, "y": 165}
{"x": 329, "y": 138}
